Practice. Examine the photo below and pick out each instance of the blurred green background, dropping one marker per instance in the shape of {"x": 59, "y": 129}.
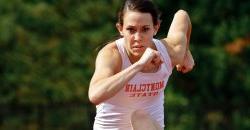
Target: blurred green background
{"x": 48, "y": 50}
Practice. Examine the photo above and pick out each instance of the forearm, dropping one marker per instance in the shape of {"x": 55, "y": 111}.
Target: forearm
{"x": 187, "y": 54}
{"x": 188, "y": 63}
{"x": 108, "y": 87}
{"x": 188, "y": 34}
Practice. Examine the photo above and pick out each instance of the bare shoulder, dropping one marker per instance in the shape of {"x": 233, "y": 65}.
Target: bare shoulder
{"x": 108, "y": 63}
{"x": 109, "y": 57}
{"x": 110, "y": 52}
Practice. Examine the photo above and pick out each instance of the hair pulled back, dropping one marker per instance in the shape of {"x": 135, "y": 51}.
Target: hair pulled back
{"x": 142, "y": 6}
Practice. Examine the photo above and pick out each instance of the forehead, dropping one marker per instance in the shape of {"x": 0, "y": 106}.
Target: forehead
{"x": 133, "y": 18}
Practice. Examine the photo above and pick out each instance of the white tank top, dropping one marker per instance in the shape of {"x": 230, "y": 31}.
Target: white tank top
{"x": 143, "y": 91}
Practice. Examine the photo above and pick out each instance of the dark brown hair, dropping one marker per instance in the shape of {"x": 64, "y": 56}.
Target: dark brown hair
{"x": 143, "y": 6}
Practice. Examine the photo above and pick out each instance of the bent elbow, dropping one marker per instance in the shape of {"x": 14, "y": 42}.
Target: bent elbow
{"x": 179, "y": 54}
{"x": 182, "y": 12}
{"x": 184, "y": 16}
{"x": 93, "y": 99}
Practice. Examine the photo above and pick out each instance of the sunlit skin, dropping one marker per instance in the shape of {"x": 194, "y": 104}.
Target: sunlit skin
{"x": 138, "y": 31}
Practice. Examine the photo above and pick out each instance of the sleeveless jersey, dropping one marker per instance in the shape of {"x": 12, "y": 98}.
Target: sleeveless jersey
{"x": 144, "y": 91}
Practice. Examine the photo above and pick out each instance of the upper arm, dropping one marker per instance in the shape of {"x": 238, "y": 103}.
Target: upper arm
{"x": 178, "y": 37}
{"x": 108, "y": 63}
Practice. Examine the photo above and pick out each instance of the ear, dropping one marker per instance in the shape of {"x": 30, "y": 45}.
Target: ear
{"x": 156, "y": 27}
{"x": 119, "y": 28}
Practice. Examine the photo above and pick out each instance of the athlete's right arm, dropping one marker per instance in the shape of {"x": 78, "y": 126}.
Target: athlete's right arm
{"x": 108, "y": 78}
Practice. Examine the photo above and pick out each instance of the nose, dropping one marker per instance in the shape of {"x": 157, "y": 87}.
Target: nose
{"x": 138, "y": 36}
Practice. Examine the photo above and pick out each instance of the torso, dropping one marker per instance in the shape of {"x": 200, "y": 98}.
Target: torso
{"x": 117, "y": 57}
{"x": 143, "y": 91}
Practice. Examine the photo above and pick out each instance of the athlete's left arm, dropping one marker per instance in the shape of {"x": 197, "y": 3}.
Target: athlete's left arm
{"x": 177, "y": 42}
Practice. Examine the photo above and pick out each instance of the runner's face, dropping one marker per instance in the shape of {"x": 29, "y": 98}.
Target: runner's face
{"x": 138, "y": 31}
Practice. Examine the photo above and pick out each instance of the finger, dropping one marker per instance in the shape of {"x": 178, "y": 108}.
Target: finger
{"x": 159, "y": 56}
{"x": 178, "y": 67}
{"x": 187, "y": 69}
{"x": 157, "y": 60}
{"x": 147, "y": 56}
{"x": 184, "y": 70}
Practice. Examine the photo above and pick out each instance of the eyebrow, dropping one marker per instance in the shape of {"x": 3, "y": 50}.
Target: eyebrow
{"x": 142, "y": 26}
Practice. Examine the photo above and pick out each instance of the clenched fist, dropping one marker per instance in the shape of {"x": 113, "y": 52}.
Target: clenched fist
{"x": 188, "y": 63}
{"x": 150, "y": 60}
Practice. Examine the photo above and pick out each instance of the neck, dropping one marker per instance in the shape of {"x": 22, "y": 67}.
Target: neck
{"x": 132, "y": 58}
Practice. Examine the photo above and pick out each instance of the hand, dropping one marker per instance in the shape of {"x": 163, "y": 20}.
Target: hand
{"x": 150, "y": 60}
{"x": 188, "y": 63}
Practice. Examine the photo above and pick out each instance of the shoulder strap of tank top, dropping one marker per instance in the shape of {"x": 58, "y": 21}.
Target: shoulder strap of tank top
{"x": 161, "y": 47}
{"x": 120, "y": 45}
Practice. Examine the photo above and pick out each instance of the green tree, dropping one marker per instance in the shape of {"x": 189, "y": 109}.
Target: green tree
{"x": 48, "y": 51}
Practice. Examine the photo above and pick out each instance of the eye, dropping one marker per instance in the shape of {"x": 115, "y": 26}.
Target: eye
{"x": 131, "y": 30}
{"x": 145, "y": 29}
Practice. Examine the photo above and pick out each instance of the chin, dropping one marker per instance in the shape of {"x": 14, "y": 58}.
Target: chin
{"x": 138, "y": 54}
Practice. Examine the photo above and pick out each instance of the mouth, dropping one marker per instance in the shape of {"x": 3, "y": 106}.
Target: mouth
{"x": 138, "y": 48}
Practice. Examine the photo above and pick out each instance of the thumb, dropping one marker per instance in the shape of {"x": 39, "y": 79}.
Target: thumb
{"x": 178, "y": 67}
